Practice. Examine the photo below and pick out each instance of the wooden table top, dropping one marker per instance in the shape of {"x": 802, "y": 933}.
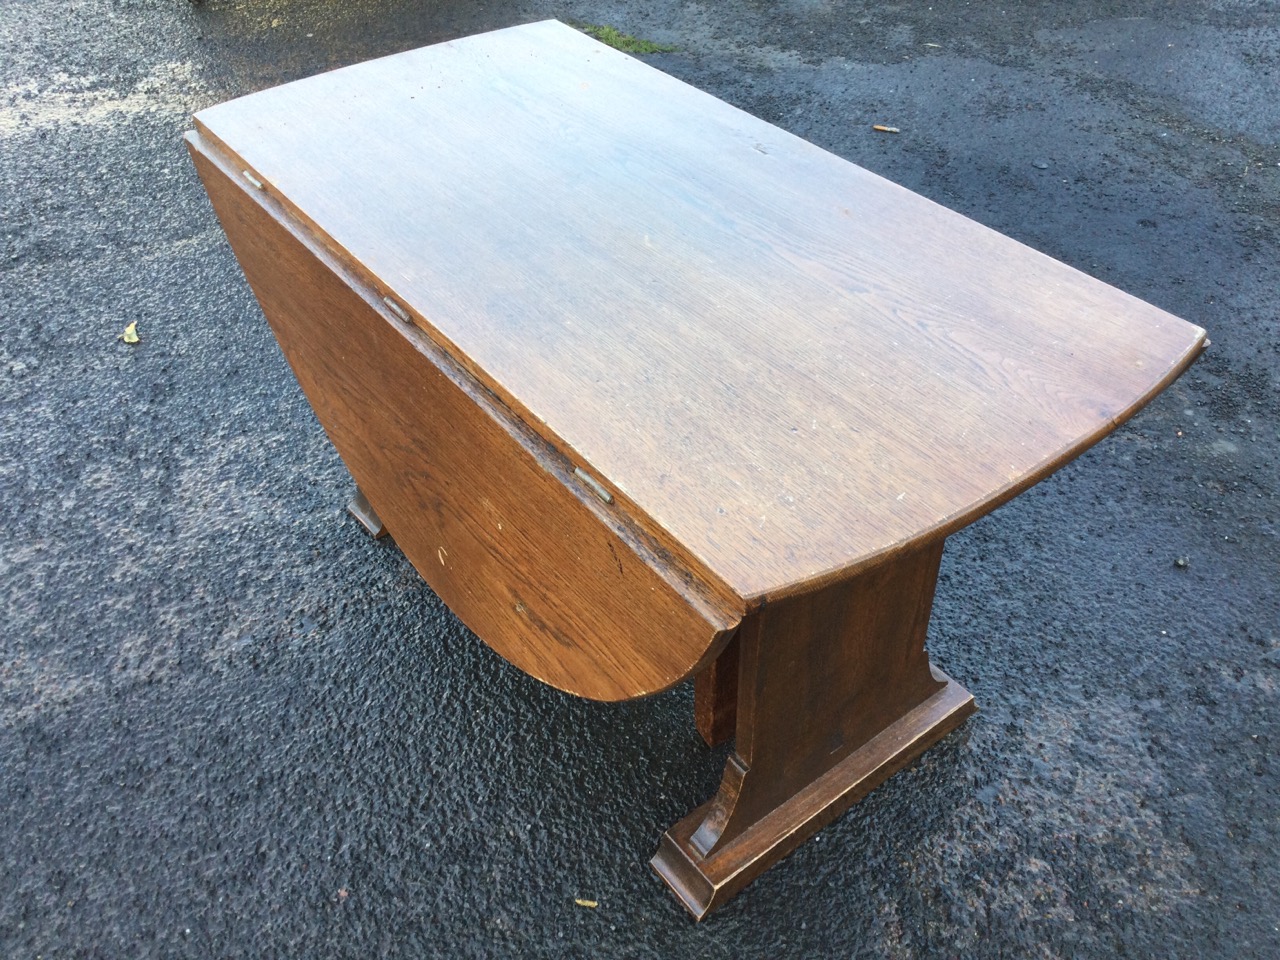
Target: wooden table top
{"x": 783, "y": 366}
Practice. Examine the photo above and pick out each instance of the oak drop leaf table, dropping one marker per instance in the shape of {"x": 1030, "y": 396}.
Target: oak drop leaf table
{"x": 649, "y": 389}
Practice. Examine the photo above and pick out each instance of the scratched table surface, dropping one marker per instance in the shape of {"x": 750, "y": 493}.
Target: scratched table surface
{"x": 785, "y": 365}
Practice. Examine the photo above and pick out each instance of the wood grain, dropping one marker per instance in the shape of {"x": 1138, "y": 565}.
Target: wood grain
{"x": 835, "y": 693}
{"x": 783, "y": 367}
{"x": 715, "y": 697}
{"x": 818, "y": 677}
{"x": 647, "y": 388}
{"x": 531, "y": 561}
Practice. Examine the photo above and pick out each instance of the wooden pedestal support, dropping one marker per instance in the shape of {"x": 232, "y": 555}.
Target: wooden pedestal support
{"x": 834, "y": 694}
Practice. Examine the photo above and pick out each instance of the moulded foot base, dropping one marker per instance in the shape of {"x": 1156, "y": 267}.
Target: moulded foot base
{"x": 704, "y": 883}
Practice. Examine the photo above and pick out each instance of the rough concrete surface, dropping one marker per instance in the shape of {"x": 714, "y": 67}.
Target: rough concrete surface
{"x": 231, "y": 725}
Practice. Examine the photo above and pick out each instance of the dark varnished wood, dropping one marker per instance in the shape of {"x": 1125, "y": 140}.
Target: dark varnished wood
{"x": 715, "y": 696}
{"x": 531, "y": 561}
{"x": 820, "y": 677}
{"x": 647, "y": 388}
{"x": 705, "y": 881}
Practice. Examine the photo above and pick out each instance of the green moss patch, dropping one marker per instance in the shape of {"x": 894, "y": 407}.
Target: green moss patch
{"x": 623, "y": 41}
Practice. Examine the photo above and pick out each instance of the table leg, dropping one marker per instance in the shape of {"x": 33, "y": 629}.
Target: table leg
{"x": 362, "y": 510}
{"x": 715, "y": 696}
{"x": 835, "y": 693}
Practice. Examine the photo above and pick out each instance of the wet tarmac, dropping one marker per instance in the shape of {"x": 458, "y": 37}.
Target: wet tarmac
{"x": 232, "y": 725}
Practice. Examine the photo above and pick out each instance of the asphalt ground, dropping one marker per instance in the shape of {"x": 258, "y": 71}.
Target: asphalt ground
{"x": 232, "y": 725}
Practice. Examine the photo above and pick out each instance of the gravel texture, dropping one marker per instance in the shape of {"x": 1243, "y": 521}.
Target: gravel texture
{"x": 231, "y": 725}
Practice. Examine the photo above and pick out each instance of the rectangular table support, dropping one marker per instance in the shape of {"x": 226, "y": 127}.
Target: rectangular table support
{"x": 715, "y": 697}
{"x": 835, "y": 693}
